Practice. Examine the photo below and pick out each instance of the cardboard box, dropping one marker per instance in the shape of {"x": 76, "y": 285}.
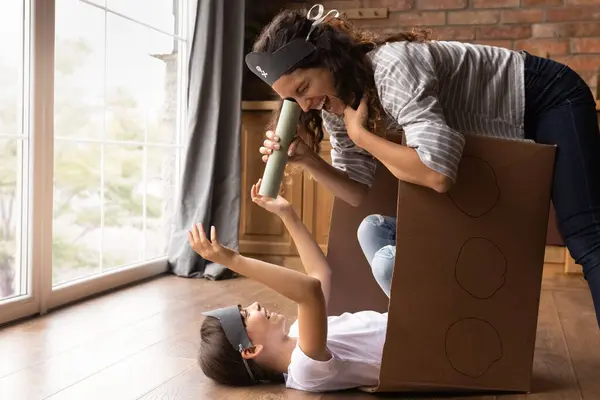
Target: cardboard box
{"x": 468, "y": 270}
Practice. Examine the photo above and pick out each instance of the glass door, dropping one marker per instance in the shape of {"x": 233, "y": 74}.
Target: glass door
{"x": 16, "y": 284}
{"x": 89, "y": 177}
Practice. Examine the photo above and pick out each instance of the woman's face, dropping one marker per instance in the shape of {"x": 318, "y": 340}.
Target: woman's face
{"x": 312, "y": 89}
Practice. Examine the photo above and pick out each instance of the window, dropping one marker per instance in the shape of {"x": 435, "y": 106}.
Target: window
{"x": 113, "y": 75}
{"x": 14, "y": 150}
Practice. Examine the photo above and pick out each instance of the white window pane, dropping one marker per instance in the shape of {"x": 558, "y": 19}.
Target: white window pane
{"x": 159, "y": 14}
{"x": 160, "y": 191}
{"x": 11, "y": 66}
{"x": 123, "y": 238}
{"x": 141, "y": 83}
{"x": 79, "y": 70}
{"x": 13, "y": 232}
{"x": 76, "y": 236}
{"x": 117, "y": 97}
{"x": 13, "y": 152}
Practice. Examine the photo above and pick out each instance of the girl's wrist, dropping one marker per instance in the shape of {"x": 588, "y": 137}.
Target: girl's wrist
{"x": 287, "y": 214}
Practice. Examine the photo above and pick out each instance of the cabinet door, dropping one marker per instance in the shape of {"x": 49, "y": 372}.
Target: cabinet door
{"x": 317, "y": 203}
{"x": 262, "y": 233}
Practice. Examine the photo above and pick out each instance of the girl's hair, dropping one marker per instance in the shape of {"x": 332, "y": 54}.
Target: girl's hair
{"x": 223, "y": 364}
{"x": 342, "y": 50}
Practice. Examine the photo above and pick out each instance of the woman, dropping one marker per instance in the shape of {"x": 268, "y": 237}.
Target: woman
{"x": 246, "y": 346}
{"x": 435, "y": 92}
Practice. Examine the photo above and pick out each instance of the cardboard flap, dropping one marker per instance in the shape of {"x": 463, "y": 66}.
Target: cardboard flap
{"x": 353, "y": 287}
{"x": 468, "y": 269}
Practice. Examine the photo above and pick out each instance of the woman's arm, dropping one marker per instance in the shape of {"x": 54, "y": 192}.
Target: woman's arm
{"x": 336, "y": 181}
{"x": 403, "y": 162}
{"x": 407, "y": 85}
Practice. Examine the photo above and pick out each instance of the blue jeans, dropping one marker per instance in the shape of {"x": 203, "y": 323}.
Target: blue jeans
{"x": 377, "y": 239}
{"x": 559, "y": 110}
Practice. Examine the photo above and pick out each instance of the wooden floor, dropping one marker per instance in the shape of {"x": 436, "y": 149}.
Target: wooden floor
{"x": 140, "y": 343}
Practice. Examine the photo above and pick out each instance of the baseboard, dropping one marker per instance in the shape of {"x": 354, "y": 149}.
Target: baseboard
{"x": 554, "y": 255}
{"x": 560, "y": 255}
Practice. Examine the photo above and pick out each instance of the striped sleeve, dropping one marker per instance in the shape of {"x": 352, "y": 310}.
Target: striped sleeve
{"x": 346, "y": 156}
{"x": 408, "y": 93}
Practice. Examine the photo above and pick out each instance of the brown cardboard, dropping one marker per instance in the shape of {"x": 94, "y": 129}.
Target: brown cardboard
{"x": 353, "y": 287}
{"x": 553, "y": 236}
{"x": 467, "y": 279}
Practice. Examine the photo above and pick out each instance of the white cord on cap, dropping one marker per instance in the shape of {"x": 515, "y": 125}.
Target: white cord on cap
{"x": 319, "y": 18}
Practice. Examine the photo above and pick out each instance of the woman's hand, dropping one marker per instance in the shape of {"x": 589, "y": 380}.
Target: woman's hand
{"x": 210, "y": 250}
{"x": 278, "y": 206}
{"x": 297, "y": 152}
{"x": 355, "y": 120}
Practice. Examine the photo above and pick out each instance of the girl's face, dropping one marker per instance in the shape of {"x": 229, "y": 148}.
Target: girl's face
{"x": 311, "y": 88}
{"x": 263, "y": 326}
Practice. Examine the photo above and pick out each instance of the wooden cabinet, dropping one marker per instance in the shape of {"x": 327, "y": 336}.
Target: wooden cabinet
{"x": 262, "y": 233}
{"x": 317, "y": 203}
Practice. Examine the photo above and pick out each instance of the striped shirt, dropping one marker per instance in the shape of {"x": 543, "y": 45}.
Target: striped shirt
{"x": 437, "y": 92}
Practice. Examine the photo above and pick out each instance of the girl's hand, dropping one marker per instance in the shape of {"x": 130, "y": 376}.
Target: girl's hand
{"x": 210, "y": 250}
{"x": 278, "y": 206}
{"x": 297, "y": 152}
{"x": 355, "y": 120}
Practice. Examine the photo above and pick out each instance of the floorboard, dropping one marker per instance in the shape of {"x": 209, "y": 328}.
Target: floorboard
{"x": 142, "y": 342}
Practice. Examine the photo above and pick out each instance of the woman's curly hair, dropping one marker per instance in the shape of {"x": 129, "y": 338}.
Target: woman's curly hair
{"x": 344, "y": 55}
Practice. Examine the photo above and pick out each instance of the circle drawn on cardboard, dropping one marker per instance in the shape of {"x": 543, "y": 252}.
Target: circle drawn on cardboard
{"x": 481, "y": 268}
{"x": 473, "y": 345}
{"x": 475, "y": 193}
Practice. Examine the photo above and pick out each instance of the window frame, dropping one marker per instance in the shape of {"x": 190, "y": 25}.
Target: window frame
{"x": 39, "y": 42}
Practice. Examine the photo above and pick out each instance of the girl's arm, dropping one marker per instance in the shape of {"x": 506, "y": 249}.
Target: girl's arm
{"x": 314, "y": 261}
{"x": 301, "y": 288}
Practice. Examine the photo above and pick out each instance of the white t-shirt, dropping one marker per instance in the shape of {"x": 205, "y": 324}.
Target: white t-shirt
{"x": 355, "y": 341}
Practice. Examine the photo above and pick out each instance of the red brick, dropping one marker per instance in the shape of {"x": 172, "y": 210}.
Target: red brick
{"x": 392, "y": 5}
{"x": 585, "y": 45}
{"x": 507, "y": 44}
{"x": 339, "y": 5}
{"x": 522, "y": 16}
{"x": 566, "y": 30}
{"x": 543, "y": 47}
{"x": 582, "y": 2}
{"x": 416, "y": 18}
{"x": 473, "y": 17}
{"x": 538, "y": 3}
{"x": 454, "y": 33}
{"x": 408, "y": 20}
{"x": 581, "y": 62}
{"x": 496, "y": 3}
{"x": 504, "y": 32}
{"x": 441, "y": 4}
{"x": 572, "y": 14}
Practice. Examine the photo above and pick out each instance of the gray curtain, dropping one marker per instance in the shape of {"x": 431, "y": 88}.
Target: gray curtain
{"x": 210, "y": 191}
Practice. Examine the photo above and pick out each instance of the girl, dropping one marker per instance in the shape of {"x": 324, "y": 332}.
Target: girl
{"x": 433, "y": 91}
{"x": 244, "y": 346}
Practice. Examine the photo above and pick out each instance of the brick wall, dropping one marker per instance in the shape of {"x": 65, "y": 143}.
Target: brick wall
{"x": 565, "y": 30}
